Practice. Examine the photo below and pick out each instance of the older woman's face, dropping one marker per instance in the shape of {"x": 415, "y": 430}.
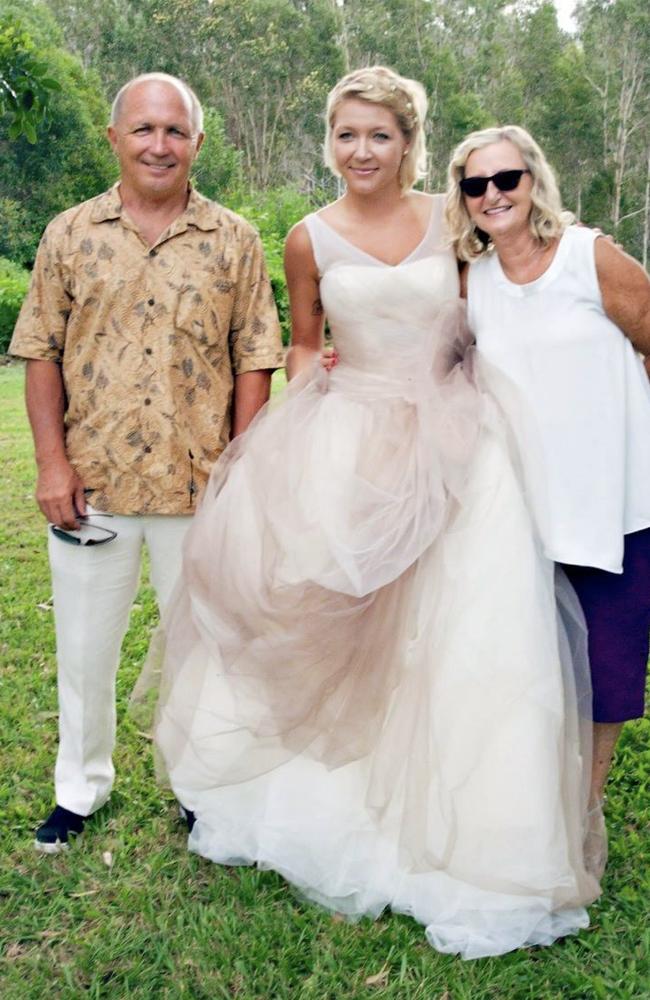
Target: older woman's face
{"x": 499, "y": 213}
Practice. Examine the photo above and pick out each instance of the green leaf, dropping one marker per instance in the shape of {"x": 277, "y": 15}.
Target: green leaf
{"x": 30, "y": 131}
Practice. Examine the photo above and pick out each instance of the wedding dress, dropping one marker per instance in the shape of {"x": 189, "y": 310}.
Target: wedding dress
{"x": 368, "y": 686}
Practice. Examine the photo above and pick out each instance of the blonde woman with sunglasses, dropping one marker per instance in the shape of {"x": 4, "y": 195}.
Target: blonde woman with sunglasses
{"x": 565, "y": 315}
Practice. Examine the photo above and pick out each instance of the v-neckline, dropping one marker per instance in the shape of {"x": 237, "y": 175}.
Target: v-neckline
{"x": 370, "y": 256}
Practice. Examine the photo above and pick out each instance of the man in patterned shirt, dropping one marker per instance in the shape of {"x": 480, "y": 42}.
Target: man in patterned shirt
{"x": 150, "y": 335}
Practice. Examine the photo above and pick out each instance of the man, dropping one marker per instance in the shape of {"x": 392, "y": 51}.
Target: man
{"x": 150, "y": 334}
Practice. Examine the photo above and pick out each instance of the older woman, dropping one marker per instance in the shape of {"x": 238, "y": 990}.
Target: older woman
{"x": 566, "y": 316}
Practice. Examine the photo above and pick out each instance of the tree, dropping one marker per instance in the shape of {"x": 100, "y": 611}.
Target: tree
{"x": 274, "y": 62}
{"x": 122, "y": 38}
{"x": 25, "y": 84}
{"x": 264, "y": 67}
{"x": 71, "y": 160}
{"x": 616, "y": 39}
{"x": 217, "y": 171}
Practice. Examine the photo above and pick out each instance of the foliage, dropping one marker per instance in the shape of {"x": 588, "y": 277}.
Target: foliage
{"x": 70, "y": 163}
{"x": 273, "y": 213}
{"x": 129, "y": 913}
{"x": 616, "y": 39}
{"x": 217, "y": 170}
{"x": 17, "y": 238}
{"x": 273, "y": 61}
{"x": 13, "y": 288}
{"x": 263, "y": 69}
{"x": 25, "y": 86}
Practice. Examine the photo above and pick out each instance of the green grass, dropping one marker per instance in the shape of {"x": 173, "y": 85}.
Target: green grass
{"x": 159, "y": 923}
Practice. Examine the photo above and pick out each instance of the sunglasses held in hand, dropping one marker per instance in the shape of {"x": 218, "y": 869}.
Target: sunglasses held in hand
{"x": 87, "y": 533}
{"x": 504, "y": 180}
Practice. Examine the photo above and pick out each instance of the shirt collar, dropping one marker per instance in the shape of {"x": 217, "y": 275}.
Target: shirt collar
{"x": 201, "y": 213}
{"x": 107, "y": 205}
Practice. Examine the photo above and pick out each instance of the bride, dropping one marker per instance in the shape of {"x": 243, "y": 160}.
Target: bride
{"x": 368, "y": 686}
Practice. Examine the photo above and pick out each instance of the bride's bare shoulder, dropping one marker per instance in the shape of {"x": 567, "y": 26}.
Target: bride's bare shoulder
{"x": 298, "y": 250}
{"x": 425, "y": 203}
{"x": 298, "y": 239}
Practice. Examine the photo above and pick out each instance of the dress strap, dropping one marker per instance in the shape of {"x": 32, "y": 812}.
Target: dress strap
{"x": 327, "y": 246}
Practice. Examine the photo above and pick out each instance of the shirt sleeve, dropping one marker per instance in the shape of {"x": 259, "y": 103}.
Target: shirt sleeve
{"x": 255, "y": 340}
{"x": 41, "y": 326}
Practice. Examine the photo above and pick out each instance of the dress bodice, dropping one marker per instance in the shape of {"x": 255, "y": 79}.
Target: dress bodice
{"x": 384, "y": 318}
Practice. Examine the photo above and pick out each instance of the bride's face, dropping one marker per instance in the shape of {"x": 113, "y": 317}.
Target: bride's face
{"x": 368, "y": 146}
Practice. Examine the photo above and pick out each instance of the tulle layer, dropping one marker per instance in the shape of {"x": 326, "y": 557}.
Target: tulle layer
{"x": 367, "y": 685}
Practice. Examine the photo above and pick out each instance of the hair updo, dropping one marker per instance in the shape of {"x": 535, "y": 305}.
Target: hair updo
{"x": 405, "y": 98}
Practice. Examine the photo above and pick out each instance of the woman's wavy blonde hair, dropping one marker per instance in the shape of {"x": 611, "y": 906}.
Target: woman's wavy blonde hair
{"x": 405, "y": 98}
{"x": 547, "y": 218}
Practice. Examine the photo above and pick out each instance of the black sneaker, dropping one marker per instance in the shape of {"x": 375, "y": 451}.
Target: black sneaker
{"x": 53, "y": 836}
{"x": 188, "y": 816}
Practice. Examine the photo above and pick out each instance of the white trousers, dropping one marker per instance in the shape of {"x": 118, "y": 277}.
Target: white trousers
{"x": 94, "y": 588}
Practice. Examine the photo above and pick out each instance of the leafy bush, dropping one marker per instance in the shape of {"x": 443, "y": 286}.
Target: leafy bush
{"x": 18, "y": 237}
{"x": 25, "y": 87}
{"x": 273, "y": 213}
{"x": 218, "y": 167}
{"x": 13, "y": 288}
{"x": 70, "y": 162}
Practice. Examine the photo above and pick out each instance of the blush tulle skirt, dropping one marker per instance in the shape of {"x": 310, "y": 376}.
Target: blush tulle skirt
{"x": 374, "y": 683}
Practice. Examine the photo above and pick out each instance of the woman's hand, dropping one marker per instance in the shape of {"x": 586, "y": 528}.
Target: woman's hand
{"x": 329, "y": 359}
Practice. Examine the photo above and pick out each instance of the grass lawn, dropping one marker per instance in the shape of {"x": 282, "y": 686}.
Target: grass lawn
{"x": 129, "y": 913}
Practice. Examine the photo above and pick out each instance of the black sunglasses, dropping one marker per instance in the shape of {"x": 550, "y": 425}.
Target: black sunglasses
{"x": 86, "y": 534}
{"x": 504, "y": 180}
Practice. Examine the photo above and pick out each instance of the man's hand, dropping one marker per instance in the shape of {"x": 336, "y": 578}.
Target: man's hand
{"x": 60, "y": 493}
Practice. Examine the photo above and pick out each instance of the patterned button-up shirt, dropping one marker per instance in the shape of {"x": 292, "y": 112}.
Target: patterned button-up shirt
{"x": 149, "y": 340}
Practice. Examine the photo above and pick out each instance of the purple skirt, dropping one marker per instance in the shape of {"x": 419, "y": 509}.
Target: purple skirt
{"x": 617, "y": 609}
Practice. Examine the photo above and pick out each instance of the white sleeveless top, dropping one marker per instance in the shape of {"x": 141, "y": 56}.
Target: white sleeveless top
{"x": 587, "y": 393}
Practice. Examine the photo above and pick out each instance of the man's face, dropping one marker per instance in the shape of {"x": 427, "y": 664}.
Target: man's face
{"x": 155, "y": 141}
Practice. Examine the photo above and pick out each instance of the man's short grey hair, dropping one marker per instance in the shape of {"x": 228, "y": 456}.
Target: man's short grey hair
{"x": 174, "y": 81}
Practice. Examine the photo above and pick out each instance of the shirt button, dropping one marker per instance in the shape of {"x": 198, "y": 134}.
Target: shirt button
{"x": 147, "y": 401}
{"x": 148, "y": 350}
{"x": 151, "y": 302}
{"x": 147, "y": 449}
{"x": 153, "y": 253}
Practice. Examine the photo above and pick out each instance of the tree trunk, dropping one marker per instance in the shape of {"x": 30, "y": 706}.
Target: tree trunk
{"x": 646, "y": 214}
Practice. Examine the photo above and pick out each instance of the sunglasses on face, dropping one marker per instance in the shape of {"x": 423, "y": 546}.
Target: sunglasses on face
{"x": 86, "y": 534}
{"x": 504, "y": 180}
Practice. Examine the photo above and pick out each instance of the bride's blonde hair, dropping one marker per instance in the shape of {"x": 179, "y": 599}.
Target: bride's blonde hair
{"x": 405, "y": 98}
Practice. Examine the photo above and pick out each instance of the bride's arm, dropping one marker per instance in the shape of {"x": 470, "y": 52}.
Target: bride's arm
{"x": 307, "y": 317}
